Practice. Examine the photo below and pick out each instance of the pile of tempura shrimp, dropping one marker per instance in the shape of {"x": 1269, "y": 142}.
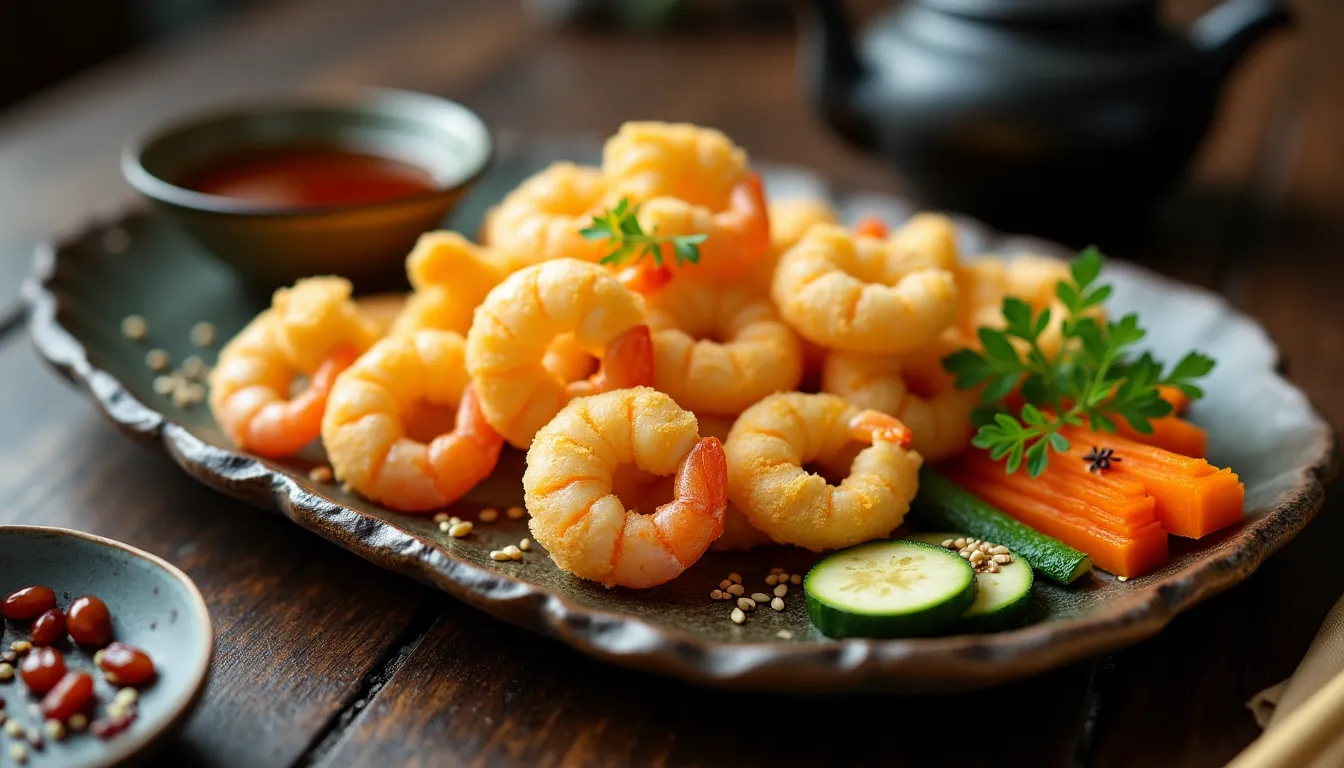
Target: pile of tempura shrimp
{"x": 785, "y": 389}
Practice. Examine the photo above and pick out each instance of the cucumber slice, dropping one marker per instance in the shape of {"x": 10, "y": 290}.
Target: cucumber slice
{"x": 888, "y": 588}
{"x": 1001, "y": 600}
{"x": 942, "y": 505}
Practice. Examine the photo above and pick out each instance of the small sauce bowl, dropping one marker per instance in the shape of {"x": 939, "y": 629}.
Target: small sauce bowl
{"x": 272, "y": 244}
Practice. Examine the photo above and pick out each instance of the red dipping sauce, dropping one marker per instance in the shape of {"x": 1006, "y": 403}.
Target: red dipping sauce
{"x": 310, "y": 177}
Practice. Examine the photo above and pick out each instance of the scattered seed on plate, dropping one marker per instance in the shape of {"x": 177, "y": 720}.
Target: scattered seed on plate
{"x": 525, "y": 545}
{"x": 78, "y": 722}
{"x": 777, "y": 603}
{"x": 513, "y": 552}
{"x": 760, "y": 597}
{"x": 1122, "y": 578}
{"x": 784, "y": 634}
{"x": 746, "y": 603}
{"x": 771, "y": 580}
{"x": 134, "y": 327}
{"x": 716, "y": 594}
{"x": 320, "y": 474}
{"x": 6, "y": 672}
{"x": 55, "y": 729}
{"x": 515, "y": 513}
{"x": 781, "y": 590}
{"x": 98, "y": 659}
{"x": 460, "y": 530}
{"x": 18, "y": 753}
{"x": 738, "y": 616}
{"x": 34, "y": 737}
{"x": 188, "y": 395}
{"x": 776, "y": 571}
{"x": 441, "y": 517}
{"x": 736, "y": 590}
{"x": 489, "y": 515}
{"x": 499, "y": 555}
{"x": 20, "y": 646}
{"x": 167, "y": 385}
{"x": 725, "y": 584}
{"x": 158, "y": 359}
{"x": 193, "y": 367}
{"x": 796, "y": 578}
{"x": 445, "y": 526}
{"x": 8, "y": 657}
{"x": 126, "y": 697}
{"x": 736, "y": 578}
{"x": 203, "y": 334}
{"x": 13, "y": 728}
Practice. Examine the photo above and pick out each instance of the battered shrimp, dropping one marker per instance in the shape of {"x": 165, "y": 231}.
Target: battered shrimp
{"x": 451, "y": 276}
{"x": 396, "y": 385}
{"x": 914, "y": 388}
{"x": 311, "y": 330}
{"x": 773, "y": 440}
{"x": 518, "y": 324}
{"x": 691, "y": 180}
{"x": 863, "y": 294}
{"x": 718, "y": 349}
{"x": 585, "y": 526}
{"x": 541, "y": 219}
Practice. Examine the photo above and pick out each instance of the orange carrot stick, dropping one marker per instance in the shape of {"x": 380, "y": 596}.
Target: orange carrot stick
{"x": 1128, "y": 556}
{"x": 1171, "y": 433}
{"x": 1193, "y": 498}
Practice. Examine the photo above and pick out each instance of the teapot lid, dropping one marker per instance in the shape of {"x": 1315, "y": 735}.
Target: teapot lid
{"x": 1037, "y": 10}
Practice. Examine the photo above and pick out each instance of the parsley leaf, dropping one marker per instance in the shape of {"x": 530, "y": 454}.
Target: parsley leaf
{"x": 1094, "y": 379}
{"x": 620, "y": 226}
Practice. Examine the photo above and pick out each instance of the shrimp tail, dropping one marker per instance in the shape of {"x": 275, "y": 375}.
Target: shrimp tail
{"x": 628, "y": 363}
{"x": 874, "y": 426}
{"x": 282, "y": 427}
{"x": 700, "y": 492}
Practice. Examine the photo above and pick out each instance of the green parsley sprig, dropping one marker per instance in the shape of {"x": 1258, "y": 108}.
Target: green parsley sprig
{"x": 620, "y": 226}
{"x": 1093, "y": 379}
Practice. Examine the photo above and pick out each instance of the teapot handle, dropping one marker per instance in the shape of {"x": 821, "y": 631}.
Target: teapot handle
{"x": 1230, "y": 29}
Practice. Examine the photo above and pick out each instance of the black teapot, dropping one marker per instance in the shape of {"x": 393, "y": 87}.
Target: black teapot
{"x": 1062, "y": 117}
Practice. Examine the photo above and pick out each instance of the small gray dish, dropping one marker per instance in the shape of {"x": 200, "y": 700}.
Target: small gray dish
{"x": 154, "y": 607}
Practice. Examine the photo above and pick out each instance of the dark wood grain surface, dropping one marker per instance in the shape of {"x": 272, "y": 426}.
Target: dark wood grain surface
{"x": 325, "y": 660}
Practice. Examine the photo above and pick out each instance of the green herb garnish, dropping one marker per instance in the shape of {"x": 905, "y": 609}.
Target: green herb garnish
{"x": 1092, "y": 379}
{"x": 620, "y": 226}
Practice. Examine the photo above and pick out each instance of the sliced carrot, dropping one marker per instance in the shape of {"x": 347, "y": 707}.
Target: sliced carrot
{"x": 1171, "y": 433}
{"x": 871, "y": 226}
{"x": 1178, "y": 399}
{"x": 1133, "y": 555}
{"x": 1193, "y": 498}
{"x": 1118, "y": 505}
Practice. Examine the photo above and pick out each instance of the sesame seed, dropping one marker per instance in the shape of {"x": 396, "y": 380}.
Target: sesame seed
{"x": 6, "y": 672}
{"x": 13, "y": 728}
{"x": 736, "y": 578}
{"x": 525, "y": 545}
{"x": 166, "y": 385}
{"x": 783, "y": 577}
{"x": 513, "y": 552}
{"x": 116, "y": 711}
{"x": 126, "y": 697}
{"x": 777, "y": 603}
{"x": 489, "y": 515}
{"x": 134, "y": 327}
{"x": 441, "y": 517}
{"x": 18, "y": 753}
{"x": 947, "y": 543}
{"x": 10, "y": 657}
{"x": 716, "y": 594}
{"x": 320, "y": 474}
{"x": 499, "y": 556}
{"x": 725, "y": 584}
{"x": 760, "y": 597}
{"x": 781, "y": 590}
{"x": 771, "y": 580}
{"x": 515, "y": 513}
{"x": 1123, "y": 578}
{"x": 746, "y": 603}
{"x": 460, "y": 530}
{"x": 34, "y": 737}
{"x": 1002, "y": 559}
{"x": 21, "y": 646}
{"x": 784, "y": 634}
{"x": 158, "y": 359}
{"x": 188, "y": 394}
{"x": 55, "y": 729}
{"x": 203, "y": 334}
{"x": 98, "y": 658}
{"x": 738, "y": 616}
{"x": 78, "y": 722}
{"x": 796, "y": 578}
{"x": 776, "y": 571}
{"x": 736, "y": 590}
{"x": 193, "y": 367}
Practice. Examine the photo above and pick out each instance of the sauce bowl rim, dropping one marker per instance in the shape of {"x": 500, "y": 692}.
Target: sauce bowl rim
{"x": 369, "y": 100}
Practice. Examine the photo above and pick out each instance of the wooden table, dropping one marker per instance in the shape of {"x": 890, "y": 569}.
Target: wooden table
{"x": 325, "y": 660}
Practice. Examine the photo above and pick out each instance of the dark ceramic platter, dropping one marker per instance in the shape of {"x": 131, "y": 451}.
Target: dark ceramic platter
{"x": 81, "y": 288}
{"x": 154, "y": 606}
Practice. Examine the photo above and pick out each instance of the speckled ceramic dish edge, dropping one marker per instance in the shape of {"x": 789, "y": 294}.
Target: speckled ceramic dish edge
{"x": 910, "y": 665}
{"x": 131, "y": 746}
